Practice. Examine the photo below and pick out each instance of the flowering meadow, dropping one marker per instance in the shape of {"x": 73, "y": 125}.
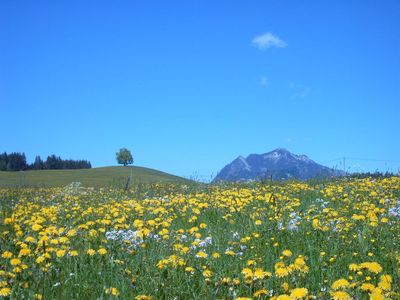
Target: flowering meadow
{"x": 338, "y": 239}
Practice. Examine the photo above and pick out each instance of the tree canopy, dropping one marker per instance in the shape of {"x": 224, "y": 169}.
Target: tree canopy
{"x": 124, "y": 157}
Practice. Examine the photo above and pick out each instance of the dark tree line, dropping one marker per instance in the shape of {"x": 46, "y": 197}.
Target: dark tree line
{"x": 375, "y": 175}
{"x": 16, "y": 161}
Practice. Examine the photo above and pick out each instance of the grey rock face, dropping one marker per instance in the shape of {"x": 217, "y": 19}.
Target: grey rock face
{"x": 279, "y": 164}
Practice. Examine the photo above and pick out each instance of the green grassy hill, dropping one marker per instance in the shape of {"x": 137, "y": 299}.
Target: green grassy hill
{"x": 94, "y": 177}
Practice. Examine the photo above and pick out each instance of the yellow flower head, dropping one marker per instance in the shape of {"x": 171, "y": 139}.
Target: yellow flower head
{"x": 60, "y": 253}
{"x": 287, "y": 253}
{"x": 260, "y": 293}
{"x": 36, "y": 227}
{"x": 7, "y": 254}
{"x": 15, "y": 261}
{"x": 373, "y": 267}
{"x": 385, "y": 282}
{"x": 91, "y": 252}
{"x": 112, "y": 291}
{"x": 281, "y": 272}
{"x": 143, "y": 297}
{"x": 340, "y": 295}
{"x": 5, "y": 291}
{"x": 298, "y": 293}
{"x": 340, "y": 284}
{"x": 201, "y": 254}
{"x": 102, "y": 251}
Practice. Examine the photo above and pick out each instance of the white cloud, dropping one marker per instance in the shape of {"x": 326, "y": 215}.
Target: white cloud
{"x": 264, "y": 81}
{"x": 268, "y": 40}
{"x": 299, "y": 91}
{"x": 288, "y": 140}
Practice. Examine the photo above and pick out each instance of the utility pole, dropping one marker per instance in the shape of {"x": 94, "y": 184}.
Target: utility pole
{"x": 128, "y": 181}
{"x": 344, "y": 164}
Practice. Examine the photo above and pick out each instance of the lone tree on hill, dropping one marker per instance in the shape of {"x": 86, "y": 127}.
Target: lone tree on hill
{"x": 124, "y": 157}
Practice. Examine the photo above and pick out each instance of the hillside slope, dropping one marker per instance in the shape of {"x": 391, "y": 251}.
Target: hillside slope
{"x": 94, "y": 177}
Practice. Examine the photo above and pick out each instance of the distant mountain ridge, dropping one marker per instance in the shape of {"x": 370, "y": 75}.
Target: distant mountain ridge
{"x": 279, "y": 163}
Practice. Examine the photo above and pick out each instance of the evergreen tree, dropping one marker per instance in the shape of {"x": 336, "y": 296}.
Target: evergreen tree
{"x": 3, "y": 161}
{"x": 16, "y": 161}
{"x": 38, "y": 164}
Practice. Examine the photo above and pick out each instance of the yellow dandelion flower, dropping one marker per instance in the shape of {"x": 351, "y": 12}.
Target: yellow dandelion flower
{"x": 15, "y": 261}
{"x": 207, "y": 273}
{"x": 143, "y": 297}
{"x": 71, "y": 233}
{"x": 247, "y": 273}
{"x": 260, "y": 293}
{"x": 60, "y": 253}
{"x": 287, "y": 253}
{"x": 353, "y": 267}
{"x": 339, "y": 284}
{"x": 377, "y": 294}
{"x": 36, "y": 227}
{"x": 285, "y": 286}
{"x": 261, "y": 274}
{"x": 4, "y": 292}
{"x": 298, "y": 293}
{"x": 373, "y": 267}
{"x": 340, "y": 295}
{"x": 7, "y": 254}
{"x": 367, "y": 287}
{"x": 64, "y": 240}
{"x": 251, "y": 262}
{"x": 91, "y": 252}
{"x": 281, "y": 272}
{"x": 24, "y": 252}
{"x": 40, "y": 259}
{"x": 102, "y": 251}
{"x": 201, "y": 254}
{"x": 385, "y": 282}
{"x": 189, "y": 270}
{"x": 112, "y": 291}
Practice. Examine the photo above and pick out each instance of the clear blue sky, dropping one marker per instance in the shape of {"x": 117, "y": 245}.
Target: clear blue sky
{"x": 190, "y": 85}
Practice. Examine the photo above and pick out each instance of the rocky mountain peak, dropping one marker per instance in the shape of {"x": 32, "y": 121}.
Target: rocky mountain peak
{"x": 278, "y": 164}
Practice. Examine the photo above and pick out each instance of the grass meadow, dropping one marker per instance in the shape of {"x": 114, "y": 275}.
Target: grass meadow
{"x": 94, "y": 177}
{"x": 337, "y": 239}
